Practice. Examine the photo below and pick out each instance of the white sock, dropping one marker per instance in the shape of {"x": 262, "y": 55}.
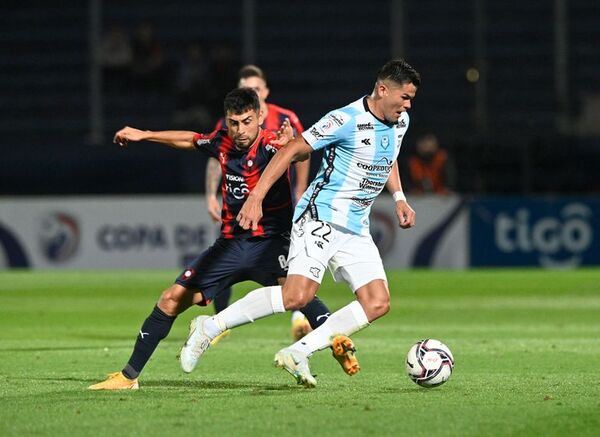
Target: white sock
{"x": 255, "y": 305}
{"x": 345, "y": 321}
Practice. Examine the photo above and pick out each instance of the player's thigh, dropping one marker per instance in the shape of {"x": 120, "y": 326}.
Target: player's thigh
{"x": 214, "y": 269}
{"x": 266, "y": 259}
{"x": 312, "y": 244}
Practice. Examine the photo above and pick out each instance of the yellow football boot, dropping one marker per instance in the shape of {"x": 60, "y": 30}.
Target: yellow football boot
{"x": 343, "y": 351}
{"x": 116, "y": 381}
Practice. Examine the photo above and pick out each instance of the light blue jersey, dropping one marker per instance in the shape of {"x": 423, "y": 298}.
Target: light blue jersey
{"x": 359, "y": 152}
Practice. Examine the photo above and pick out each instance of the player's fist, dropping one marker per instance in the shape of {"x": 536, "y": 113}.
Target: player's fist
{"x": 214, "y": 208}
{"x": 406, "y": 215}
{"x": 123, "y": 136}
{"x": 251, "y": 213}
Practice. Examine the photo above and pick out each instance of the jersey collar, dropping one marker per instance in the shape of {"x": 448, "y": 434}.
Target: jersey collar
{"x": 367, "y": 109}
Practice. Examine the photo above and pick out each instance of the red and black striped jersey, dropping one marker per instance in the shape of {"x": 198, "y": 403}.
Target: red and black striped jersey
{"x": 276, "y": 115}
{"x": 241, "y": 171}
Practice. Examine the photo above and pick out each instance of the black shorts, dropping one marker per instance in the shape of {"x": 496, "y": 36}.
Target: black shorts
{"x": 230, "y": 261}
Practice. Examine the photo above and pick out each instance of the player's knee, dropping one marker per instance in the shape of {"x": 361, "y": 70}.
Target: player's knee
{"x": 295, "y": 299}
{"x": 378, "y": 307}
{"x": 170, "y": 301}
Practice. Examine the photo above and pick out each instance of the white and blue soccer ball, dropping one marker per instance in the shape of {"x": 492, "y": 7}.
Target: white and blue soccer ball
{"x": 429, "y": 363}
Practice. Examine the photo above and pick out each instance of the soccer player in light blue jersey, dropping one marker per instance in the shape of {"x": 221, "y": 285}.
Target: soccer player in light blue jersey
{"x": 361, "y": 142}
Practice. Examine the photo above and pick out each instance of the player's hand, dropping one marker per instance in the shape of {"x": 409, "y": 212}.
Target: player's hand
{"x": 285, "y": 134}
{"x": 406, "y": 215}
{"x": 214, "y": 208}
{"x": 127, "y": 134}
{"x": 251, "y": 213}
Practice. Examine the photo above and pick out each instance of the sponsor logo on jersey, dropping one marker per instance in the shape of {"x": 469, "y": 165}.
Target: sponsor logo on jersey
{"x": 364, "y": 202}
{"x": 234, "y": 178}
{"x": 201, "y": 141}
{"x": 271, "y": 149}
{"x": 315, "y": 133}
{"x": 384, "y": 165}
{"x": 369, "y": 185}
{"x": 337, "y": 120}
{"x": 365, "y": 126}
{"x": 366, "y": 141}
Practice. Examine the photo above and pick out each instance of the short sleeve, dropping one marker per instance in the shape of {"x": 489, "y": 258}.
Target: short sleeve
{"x": 328, "y": 130}
{"x": 209, "y": 143}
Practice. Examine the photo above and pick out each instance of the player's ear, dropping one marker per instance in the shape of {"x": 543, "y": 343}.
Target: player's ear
{"x": 267, "y": 92}
{"x": 261, "y": 117}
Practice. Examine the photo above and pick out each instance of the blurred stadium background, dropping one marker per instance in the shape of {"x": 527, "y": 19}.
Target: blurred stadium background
{"x": 509, "y": 88}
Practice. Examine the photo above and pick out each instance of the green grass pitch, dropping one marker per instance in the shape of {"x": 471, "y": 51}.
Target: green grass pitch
{"x": 526, "y": 345}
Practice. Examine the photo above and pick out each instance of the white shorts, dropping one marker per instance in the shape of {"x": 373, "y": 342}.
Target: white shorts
{"x": 316, "y": 245}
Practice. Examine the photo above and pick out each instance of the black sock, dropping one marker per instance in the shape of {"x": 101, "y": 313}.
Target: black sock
{"x": 316, "y": 312}
{"x": 221, "y": 300}
{"x": 155, "y": 328}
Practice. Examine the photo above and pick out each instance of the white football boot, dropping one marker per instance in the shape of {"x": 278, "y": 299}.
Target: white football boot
{"x": 296, "y": 364}
{"x": 195, "y": 345}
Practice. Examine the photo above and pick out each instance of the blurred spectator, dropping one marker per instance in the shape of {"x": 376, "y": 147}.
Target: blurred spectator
{"x": 193, "y": 85}
{"x": 148, "y": 64}
{"x": 429, "y": 167}
{"x": 115, "y": 57}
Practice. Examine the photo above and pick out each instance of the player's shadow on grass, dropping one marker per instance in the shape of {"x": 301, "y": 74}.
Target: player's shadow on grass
{"x": 256, "y": 388}
{"x": 217, "y": 385}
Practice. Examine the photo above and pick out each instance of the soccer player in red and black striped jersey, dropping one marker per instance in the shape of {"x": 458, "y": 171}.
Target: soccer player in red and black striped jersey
{"x": 243, "y": 150}
{"x": 274, "y": 117}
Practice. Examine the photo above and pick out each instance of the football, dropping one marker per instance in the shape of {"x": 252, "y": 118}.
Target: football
{"x": 429, "y": 363}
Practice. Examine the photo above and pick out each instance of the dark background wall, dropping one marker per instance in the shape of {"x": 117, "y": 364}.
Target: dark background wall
{"x": 510, "y": 132}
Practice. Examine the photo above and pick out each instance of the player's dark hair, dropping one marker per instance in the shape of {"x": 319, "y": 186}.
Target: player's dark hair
{"x": 400, "y": 72}
{"x": 251, "y": 71}
{"x": 241, "y": 100}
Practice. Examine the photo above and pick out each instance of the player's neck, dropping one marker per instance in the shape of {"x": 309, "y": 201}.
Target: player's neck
{"x": 372, "y": 103}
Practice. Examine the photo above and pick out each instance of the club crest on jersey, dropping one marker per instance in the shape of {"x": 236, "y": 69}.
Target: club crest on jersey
{"x": 385, "y": 142}
{"x": 250, "y": 163}
{"x": 401, "y": 123}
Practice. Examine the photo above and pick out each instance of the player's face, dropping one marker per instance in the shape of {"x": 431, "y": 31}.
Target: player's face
{"x": 258, "y": 85}
{"x": 243, "y": 128}
{"x": 395, "y": 99}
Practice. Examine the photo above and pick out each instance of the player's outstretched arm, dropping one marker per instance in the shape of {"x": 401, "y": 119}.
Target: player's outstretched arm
{"x": 251, "y": 212}
{"x": 406, "y": 215}
{"x": 174, "y": 138}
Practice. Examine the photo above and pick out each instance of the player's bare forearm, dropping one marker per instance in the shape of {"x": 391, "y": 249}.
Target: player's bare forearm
{"x": 213, "y": 176}
{"x": 393, "y": 183}
{"x": 251, "y": 211}
{"x": 172, "y": 138}
{"x": 406, "y": 215}
{"x": 302, "y": 171}
{"x": 295, "y": 150}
